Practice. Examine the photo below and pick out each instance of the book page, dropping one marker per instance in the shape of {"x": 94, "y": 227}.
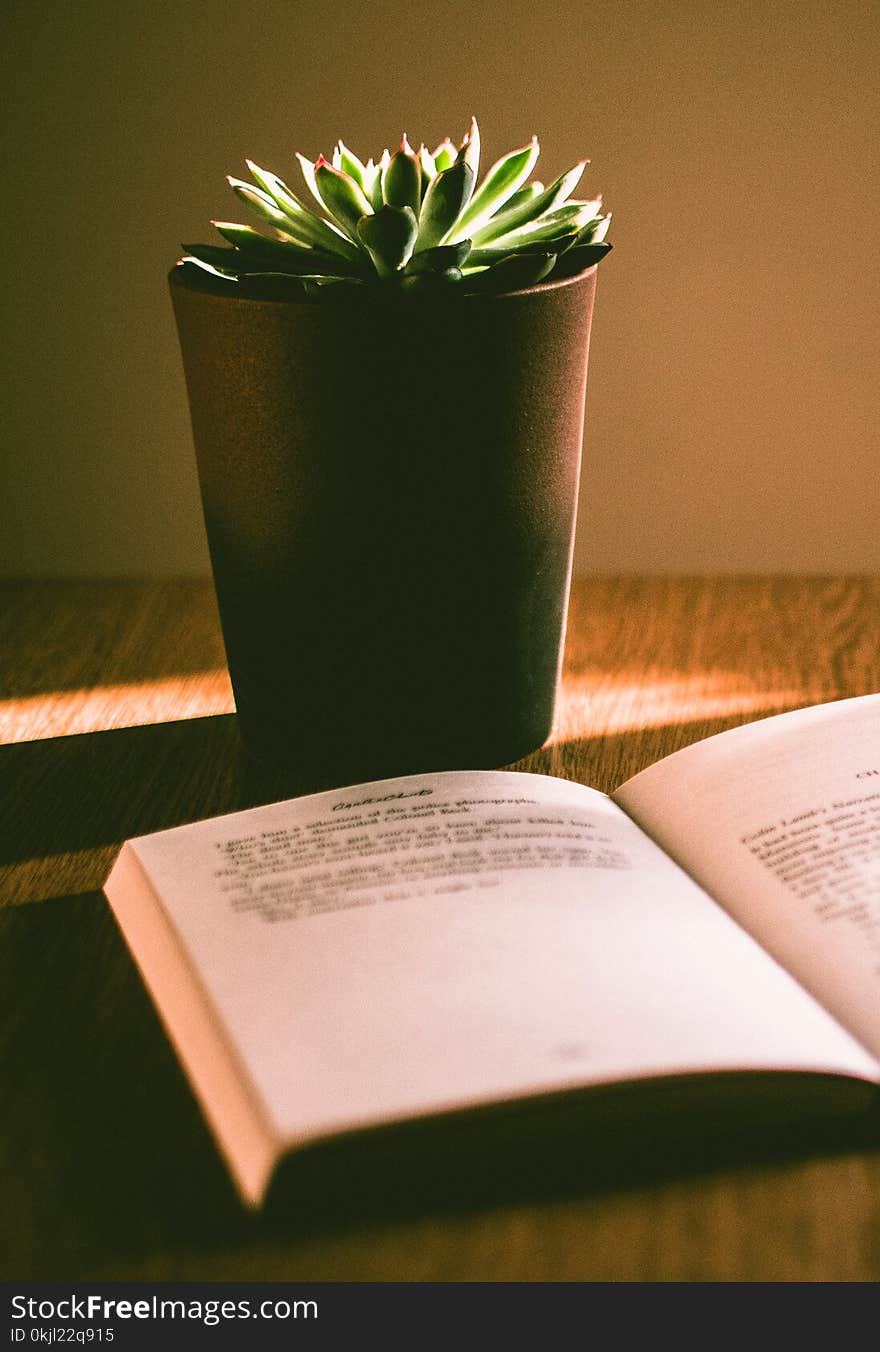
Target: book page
{"x": 780, "y": 820}
{"x": 436, "y": 942}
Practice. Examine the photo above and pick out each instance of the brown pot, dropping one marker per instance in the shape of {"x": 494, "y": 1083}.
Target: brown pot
{"x": 389, "y": 492}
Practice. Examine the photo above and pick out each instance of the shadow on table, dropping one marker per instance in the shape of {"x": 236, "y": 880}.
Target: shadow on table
{"x": 66, "y": 803}
{"x": 109, "y": 1169}
{"x": 88, "y": 790}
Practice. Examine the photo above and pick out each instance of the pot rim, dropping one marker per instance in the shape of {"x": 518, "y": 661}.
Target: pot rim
{"x": 179, "y": 277}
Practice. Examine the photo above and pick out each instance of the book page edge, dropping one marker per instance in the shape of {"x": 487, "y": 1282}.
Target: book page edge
{"x": 741, "y": 735}
{"x": 230, "y": 1103}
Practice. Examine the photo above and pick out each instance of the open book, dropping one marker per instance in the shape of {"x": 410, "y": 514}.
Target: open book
{"x": 419, "y": 946}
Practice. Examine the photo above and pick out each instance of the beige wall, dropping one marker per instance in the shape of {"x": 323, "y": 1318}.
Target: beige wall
{"x": 734, "y": 394}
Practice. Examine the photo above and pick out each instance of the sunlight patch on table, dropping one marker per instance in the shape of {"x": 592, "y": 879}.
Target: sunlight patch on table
{"x": 591, "y": 704}
{"x": 62, "y": 713}
{"x": 596, "y": 702}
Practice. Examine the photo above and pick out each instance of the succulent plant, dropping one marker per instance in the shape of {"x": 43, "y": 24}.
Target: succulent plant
{"x": 413, "y": 221}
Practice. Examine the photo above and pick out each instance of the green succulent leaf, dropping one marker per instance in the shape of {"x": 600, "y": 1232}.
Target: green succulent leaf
{"x": 447, "y": 196}
{"x": 562, "y": 187}
{"x": 281, "y": 196}
{"x": 376, "y": 198}
{"x": 470, "y": 148}
{"x": 514, "y": 273}
{"x": 521, "y": 210}
{"x": 521, "y": 199}
{"x": 444, "y": 156}
{"x": 304, "y": 228}
{"x": 429, "y": 166}
{"x": 346, "y": 160}
{"x": 579, "y": 258}
{"x": 549, "y": 240}
{"x": 402, "y": 179}
{"x": 505, "y": 178}
{"x": 319, "y": 288}
{"x": 574, "y": 210}
{"x": 594, "y": 232}
{"x": 410, "y": 222}
{"x": 275, "y": 203}
{"x": 274, "y": 285}
{"x": 212, "y": 259}
{"x": 429, "y": 283}
{"x": 307, "y": 168}
{"x": 258, "y": 201}
{"x": 251, "y": 241}
{"x": 371, "y": 173}
{"x": 439, "y": 259}
{"x": 341, "y": 196}
{"x": 389, "y": 236}
{"x": 284, "y": 256}
{"x": 237, "y": 263}
{"x": 565, "y": 220}
{"x": 555, "y": 243}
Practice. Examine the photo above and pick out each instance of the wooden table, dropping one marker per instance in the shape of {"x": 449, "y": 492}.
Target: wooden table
{"x": 116, "y": 719}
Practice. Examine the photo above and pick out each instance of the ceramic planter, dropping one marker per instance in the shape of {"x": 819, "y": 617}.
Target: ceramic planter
{"x": 389, "y": 492}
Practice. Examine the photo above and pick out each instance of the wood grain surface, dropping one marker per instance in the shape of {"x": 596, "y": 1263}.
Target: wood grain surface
{"x": 116, "y": 718}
